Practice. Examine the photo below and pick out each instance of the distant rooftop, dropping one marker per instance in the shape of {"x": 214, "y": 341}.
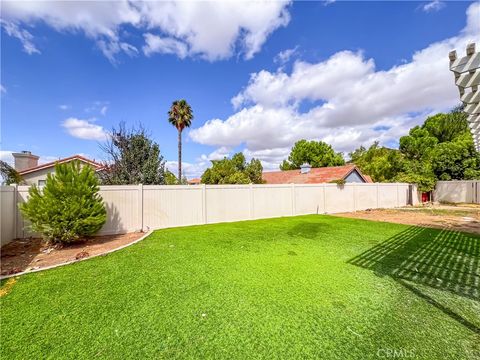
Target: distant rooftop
{"x": 313, "y": 176}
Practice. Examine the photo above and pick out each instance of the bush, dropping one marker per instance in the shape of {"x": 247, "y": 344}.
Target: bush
{"x": 339, "y": 182}
{"x": 68, "y": 207}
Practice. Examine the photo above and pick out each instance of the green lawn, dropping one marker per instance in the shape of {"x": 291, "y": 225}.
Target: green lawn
{"x": 302, "y": 287}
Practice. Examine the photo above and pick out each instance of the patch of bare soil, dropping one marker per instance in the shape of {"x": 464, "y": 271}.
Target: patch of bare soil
{"x": 33, "y": 253}
{"x": 440, "y": 218}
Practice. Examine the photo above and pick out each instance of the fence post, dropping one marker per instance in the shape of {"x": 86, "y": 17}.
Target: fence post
{"x": 15, "y": 210}
{"x": 204, "y": 203}
{"x": 377, "y": 194}
{"x": 252, "y": 210}
{"x": 398, "y": 198}
{"x": 324, "y": 199}
{"x": 294, "y": 205}
{"x": 140, "y": 205}
{"x": 354, "y": 197}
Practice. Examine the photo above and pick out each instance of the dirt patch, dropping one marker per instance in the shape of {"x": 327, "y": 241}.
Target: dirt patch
{"x": 441, "y": 217}
{"x": 33, "y": 253}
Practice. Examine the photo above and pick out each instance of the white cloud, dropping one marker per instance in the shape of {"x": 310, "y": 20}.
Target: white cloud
{"x": 64, "y": 107}
{"x": 6, "y": 155}
{"x": 3, "y": 89}
{"x": 189, "y": 170}
{"x": 99, "y": 107}
{"x": 211, "y": 30}
{"x": 111, "y": 48}
{"x": 432, "y": 6}
{"x": 164, "y": 45}
{"x": 196, "y": 169}
{"x": 284, "y": 56}
{"x": 84, "y": 129}
{"x": 98, "y": 20}
{"x": 351, "y": 102}
{"x": 25, "y": 37}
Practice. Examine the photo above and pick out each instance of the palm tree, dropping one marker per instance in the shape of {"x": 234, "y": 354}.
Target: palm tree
{"x": 180, "y": 115}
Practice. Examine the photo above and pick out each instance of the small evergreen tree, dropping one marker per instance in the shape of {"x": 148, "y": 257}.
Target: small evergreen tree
{"x": 68, "y": 207}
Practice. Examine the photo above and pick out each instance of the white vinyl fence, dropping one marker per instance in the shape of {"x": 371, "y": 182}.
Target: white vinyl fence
{"x": 464, "y": 191}
{"x": 137, "y": 207}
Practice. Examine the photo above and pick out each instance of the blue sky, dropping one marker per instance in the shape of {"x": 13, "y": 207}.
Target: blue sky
{"x": 258, "y": 77}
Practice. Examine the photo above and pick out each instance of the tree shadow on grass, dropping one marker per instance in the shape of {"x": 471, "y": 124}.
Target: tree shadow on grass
{"x": 440, "y": 259}
{"x": 305, "y": 229}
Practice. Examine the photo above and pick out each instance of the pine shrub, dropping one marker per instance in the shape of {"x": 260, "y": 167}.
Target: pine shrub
{"x": 68, "y": 207}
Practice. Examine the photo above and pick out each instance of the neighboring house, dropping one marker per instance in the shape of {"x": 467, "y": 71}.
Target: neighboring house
{"x": 27, "y": 166}
{"x": 307, "y": 175}
{"x": 195, "y": 181}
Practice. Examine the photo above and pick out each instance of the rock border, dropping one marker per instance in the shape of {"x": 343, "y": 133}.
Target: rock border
{"x": 3, "y": 277}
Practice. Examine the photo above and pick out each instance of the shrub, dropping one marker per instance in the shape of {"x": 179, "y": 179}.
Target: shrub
{"x": 339, "y": 182}
{"x": 68, "y": 207}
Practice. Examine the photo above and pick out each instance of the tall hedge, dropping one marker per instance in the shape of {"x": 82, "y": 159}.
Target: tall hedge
{"x": 68, "y": 207}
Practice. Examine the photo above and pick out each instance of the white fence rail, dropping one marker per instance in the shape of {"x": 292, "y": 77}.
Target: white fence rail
{"x": 465, "y": 191}
{"x": 137, "y": 207}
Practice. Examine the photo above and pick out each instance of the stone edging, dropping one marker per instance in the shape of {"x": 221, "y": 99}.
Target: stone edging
{"x": 75, "y": 261}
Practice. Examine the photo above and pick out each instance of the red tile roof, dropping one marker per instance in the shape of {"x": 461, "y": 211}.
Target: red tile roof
{"x": 314, "y": 176}
{"x": 195, "y": 181}
{"x": 96, "y": 165}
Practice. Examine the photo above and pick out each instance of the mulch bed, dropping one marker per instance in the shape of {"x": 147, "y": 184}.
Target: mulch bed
{"x": 33, "y": 253}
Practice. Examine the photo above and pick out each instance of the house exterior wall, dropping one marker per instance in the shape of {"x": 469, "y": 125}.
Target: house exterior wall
{"x": 354, "y": 177}
{"x": 34, "y": 177}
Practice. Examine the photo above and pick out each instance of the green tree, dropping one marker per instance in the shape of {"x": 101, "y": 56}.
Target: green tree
{"x": 171, "y": 179}
{"x": 133, "y": 158}
{"x": 180, "y": 115}
{"x": 418, "y": 144}
{"x": 447, "y": 127}
{"x": 315, "y": 153}
{"x": 381, "y": 163}
{"x": 9, "y": 174}
{"x": 68, "y": 207}
{"x": 440, "y": 149}
{"x": 456, "y": 160}
{"x": 234, "y": 171}
{"x": 417, "y": 172}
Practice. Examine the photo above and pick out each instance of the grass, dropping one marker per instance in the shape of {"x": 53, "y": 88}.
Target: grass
{"x": 301, "y": 287}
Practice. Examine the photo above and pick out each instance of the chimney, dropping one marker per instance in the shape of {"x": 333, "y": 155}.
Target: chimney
{"x": 305, "y": 168}
{"x": 25, "y": 160}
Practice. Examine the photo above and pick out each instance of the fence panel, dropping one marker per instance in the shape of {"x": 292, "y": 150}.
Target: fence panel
{"x": 228, "y": 203}
{"x": 22, "y": 225}
{"x": 366, "y": 196}
{"x": 170, "y": 206}
{"x": 272, "y": 201}
{"x": 136, "y": 207}
{"x": 457, "y": 191}
{"x": 8, "y": 207}
{"x": 123, "y": 209}
{"x": 309, "y": 199}
{"x": 339, "y": 198}
{"x": 387, "y": 196}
